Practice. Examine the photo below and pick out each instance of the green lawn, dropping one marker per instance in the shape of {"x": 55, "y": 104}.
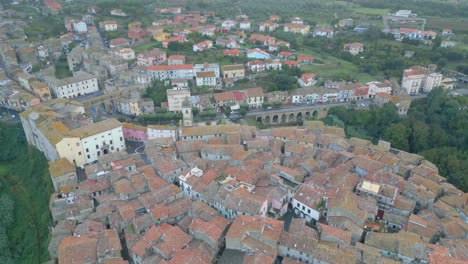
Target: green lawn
{"x": 334, "y": 67}
{"x": 4, "y": 168}
{"x": 147, "y": 46}
{"x": 372, "y": 11}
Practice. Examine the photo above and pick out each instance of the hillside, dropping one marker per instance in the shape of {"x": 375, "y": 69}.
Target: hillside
{"x": 25, "y": 188}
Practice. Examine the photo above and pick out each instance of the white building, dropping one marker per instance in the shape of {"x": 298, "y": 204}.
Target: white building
{"x": 244, "y": 25}
{"x": 175, "y": 98}
{"x": 82, "y": 83}
{"x": 419, "y": 79}
{"x": 155, "y": 131}
{"x": 170, "y": 72}
{"x": 96, "y": 140}
{"x": 80, "y": 27}
{"x": 305, "y": 202}
{"x": 379, "y": 87}
{"x": 207, "y": 67}
{"x": 110, "y": 25}
{"x": 50, "y": 127}
{"x": 405, "y": 13}
{"x": 125, "y": 53}
{"x": 354, "y": 48}
{"x": 206, "y": 78}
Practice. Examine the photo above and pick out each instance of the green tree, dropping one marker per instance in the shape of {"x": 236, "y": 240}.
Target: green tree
{"x": 398, "y": 135}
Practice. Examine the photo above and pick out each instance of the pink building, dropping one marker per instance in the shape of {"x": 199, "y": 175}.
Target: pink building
{"x": 134, "y": 133}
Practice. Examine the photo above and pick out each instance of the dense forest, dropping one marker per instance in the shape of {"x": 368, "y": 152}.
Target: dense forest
{"x": 25, "y": 189}
{"x": 436, "y": 127}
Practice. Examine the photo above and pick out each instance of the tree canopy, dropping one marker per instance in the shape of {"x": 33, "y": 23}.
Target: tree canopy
{"x": 436, "y": 127}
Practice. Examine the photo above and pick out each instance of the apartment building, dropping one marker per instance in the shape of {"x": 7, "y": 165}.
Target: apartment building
{"x": 420, "y": 79}
{"x": 81, "y": 83}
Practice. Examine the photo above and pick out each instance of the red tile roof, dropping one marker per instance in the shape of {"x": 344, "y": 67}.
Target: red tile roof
{"x": 305, "y": 58}
{"x": 234, "y": 52}
{"x": 177, "y": 57}
{"x": 170, "y": 67}
{"x": 291, "y": 63}
{"x": 224, "y": 96}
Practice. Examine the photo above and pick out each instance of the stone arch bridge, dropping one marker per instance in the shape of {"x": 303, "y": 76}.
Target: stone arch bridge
{"x": 290, "y": 114}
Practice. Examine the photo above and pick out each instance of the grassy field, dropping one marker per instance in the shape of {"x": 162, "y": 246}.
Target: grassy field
{"x": 334, "y": 67}
{"x": 371, "y": 11}
{"x": 147, "y": 46}
{"x": 4, "y": 168}
{"x": 453, "y": 23}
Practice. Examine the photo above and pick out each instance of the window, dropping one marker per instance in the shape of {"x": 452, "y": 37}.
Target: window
{"x": 110, "y": 142}
{"x": 79, "y": 153}
{"x": 78, "y": 144}
{"x": 88, "y": 156}
{"x": 121, "y": 139}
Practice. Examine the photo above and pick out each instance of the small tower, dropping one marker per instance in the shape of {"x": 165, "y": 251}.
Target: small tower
{"x": 187, "y": 113}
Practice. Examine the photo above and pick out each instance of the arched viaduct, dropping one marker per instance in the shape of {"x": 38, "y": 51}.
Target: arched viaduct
{"x": 289, "y": 114}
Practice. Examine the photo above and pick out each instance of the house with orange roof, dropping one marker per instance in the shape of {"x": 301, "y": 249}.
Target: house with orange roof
{"x": 136, "y": 33}
{"x": 211, "y": 232}
{"x": 267, "y": 26}
{"x": 225, "y": 98}
{"x": 151, "y": 57}
{"x": 254, "y": 97}
{"x": 354, "y": 48}
{"x": 299, "y": 242}
{"x": 118, "y": 42}
{"x": 254, "y": 233}
{"x": 179, "y": 39}
{"x": 307, "y": 202}
{"x": 75, "y": 249}
{"x": 419, "y": 79}
{"x": 297, "y": 28}
{"x": 305, "y": 59}
{"x": 262, "y": 39}
{"x": 233, "y": 52}
{"x": 323, "y": 32}
{"x": 53, "y": 7}
{"x": 109, "y": 25}
{"x": 204, "y": 45}
{"x": 307, "y": 79}
{"x": 343, "y": 212}
{"x": 292, "y": 64}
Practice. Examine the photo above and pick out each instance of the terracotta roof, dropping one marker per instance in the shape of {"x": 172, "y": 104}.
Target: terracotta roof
{"x": 207, "y": 74}
{"x": 171, "y": 67}
{"x": 177, "y": 57}
{"x": 95, "y": 128}
{"x": 133, "y": 126}
{"x": 209, "y": 130}
{"x": 233, "y": 52}
{"x": 305, "y": 58}
{"x": 61, "y": 167}
{"x": 77, "y": 250}
{"x": 340, "y": 234}
{"x": 234, "y": 67}
{"x": 254, "y": 92}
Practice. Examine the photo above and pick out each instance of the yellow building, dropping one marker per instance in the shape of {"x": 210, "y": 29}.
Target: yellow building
{"x": 233, "y": 71}
{"x": 41, "y": 89}
{"x": 162, "y": 36}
